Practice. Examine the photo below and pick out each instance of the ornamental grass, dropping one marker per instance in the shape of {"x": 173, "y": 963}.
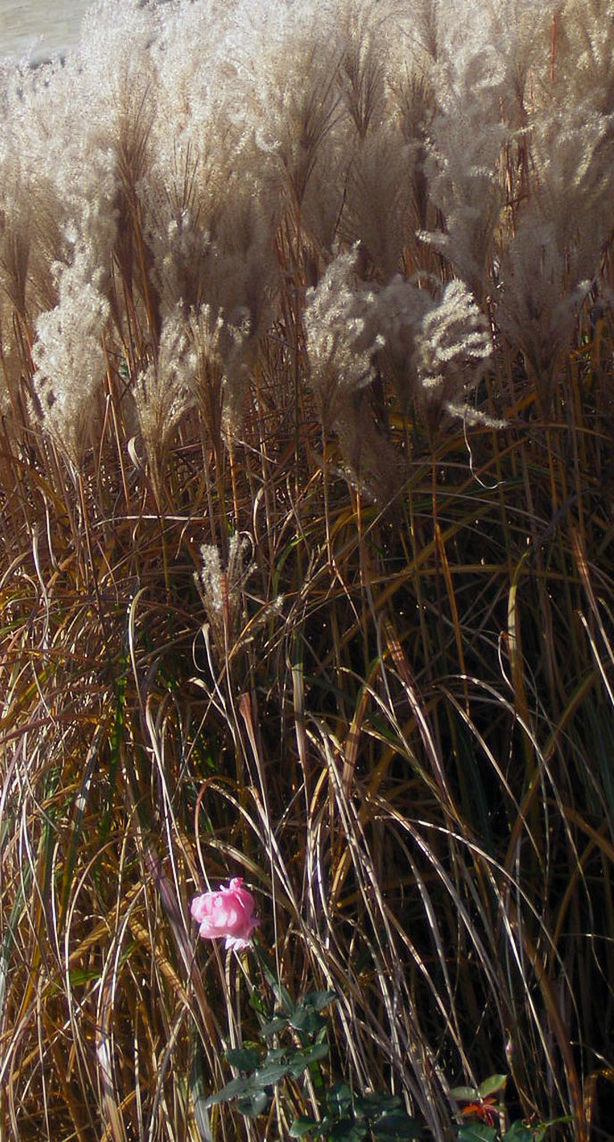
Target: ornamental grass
{"x": 307, "y": 558}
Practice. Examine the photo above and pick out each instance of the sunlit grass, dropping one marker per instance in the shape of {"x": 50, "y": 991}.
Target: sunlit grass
{"x": 409, "y": 763}
{"x": 224, "y": 651}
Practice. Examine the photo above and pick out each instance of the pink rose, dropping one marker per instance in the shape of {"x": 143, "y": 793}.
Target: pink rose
{"x": 229, "y": 913}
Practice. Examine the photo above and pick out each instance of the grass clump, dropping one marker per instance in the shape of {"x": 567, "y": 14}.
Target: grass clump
{"x": 306, "y": 562}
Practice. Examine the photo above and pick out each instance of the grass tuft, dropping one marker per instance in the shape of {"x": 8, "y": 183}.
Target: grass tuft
{"x": 306, "y": 565}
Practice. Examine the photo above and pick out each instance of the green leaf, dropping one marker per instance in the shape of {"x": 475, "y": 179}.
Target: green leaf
{"x": 307, "y": 1020}
{"x": 339, "y": 1099}
{"x": 318, "y": 999}
{"x": 375, "y": 1104}
{"x": 348, "y": 1130}
{"x": 276, "y": 1024}
{"x": 231, "y": 1090}
{"x": 256, "y": 1003}
{"x": 465, "y": 1093}
{"x": 283, "y": 997}
{"x": 477, "y": 1132}
{"x": 492, "y": 1085}
{"x": 519, "y": 1132}
{"x": 306, "y": 1015}
{"x": 280, "y": 992}
{"x": 269, "y": 1075}
{"x": 275, "y": 1055}
{"x": 245, "y": 1058}
{"x": 300, "y": 1060}
{"x": 302, "y": 1126}
{"x": 253, "y": 1103}
{"x": 397, "y": 1125}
